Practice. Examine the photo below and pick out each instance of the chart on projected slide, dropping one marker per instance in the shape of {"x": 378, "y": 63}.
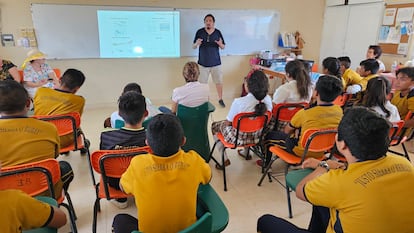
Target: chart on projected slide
{"x": 124, "y": 34}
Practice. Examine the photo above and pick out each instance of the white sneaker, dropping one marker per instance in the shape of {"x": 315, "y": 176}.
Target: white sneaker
{"x": 119, "y": 205}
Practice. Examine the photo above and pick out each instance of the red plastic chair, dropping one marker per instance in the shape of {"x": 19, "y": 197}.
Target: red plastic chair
{"x": 111, "y": 163}
{"x": 401, "y": 135}
{"x": 247, "y": 122}
{"x": 285, "y": 111}
{"x": 70, "y": 124}
{"x": 341, "y": 100}
{"x": 313, "y": 140}
{"x": 36, "y": 178}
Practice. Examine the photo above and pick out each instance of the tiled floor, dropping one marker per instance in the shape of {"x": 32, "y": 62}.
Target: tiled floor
{"x": 244, "y": 199}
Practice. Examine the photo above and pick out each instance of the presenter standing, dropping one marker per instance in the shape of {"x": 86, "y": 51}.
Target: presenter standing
{"x": 209, "y": 40}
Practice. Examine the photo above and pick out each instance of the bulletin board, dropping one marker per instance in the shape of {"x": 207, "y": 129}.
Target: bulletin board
{"x": 396, "y": 29}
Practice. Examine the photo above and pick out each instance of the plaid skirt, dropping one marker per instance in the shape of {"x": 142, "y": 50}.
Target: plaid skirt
{"x": 229, "y": 133}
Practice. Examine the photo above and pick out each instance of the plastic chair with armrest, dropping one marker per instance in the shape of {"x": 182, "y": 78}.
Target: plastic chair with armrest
{"x": 202, "y": 225}
{"x": 246, "y": 122}
{"x": 36, "y": 178}
{"x": 313, "y": 140}
{"x": 208, "y": 201}
{"x": 402, "y": 135}
{"x": 194, "y": 121}
{"x": 111, "y": 163}
{"x": 70, "y": 124}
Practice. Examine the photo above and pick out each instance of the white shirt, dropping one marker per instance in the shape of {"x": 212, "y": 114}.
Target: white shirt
{"x": 152, "y": 111}
{"x": 394, "y": 115}
{"x": 247, "y": 104}
{"x": 192, "y": 94}
{"x": 288, "y": 93}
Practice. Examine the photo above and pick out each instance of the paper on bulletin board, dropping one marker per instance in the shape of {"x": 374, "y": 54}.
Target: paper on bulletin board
{"x": 402, "y": 48}
{"x": 384, "y": 30}
{"x": 405, "y": 14}
{"x": 389, "y": 16}
{"x": 394, "y": 36}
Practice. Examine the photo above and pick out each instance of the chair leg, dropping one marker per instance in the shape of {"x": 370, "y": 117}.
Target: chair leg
{"x": 212, "y": 151}
{"x": 266, "y": 172}
{"x": 70, "y": 204}
{"x": 288, "y": 193}
{"x": 71, "y": 217}
{"x": 224, "y": 169}
{"x": 96, "y": 208}
{"x": 88, "y": 154}
{"x": 405, "y": 152}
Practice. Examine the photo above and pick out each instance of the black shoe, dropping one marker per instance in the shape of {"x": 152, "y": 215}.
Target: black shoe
{"x": 222, "y": 103}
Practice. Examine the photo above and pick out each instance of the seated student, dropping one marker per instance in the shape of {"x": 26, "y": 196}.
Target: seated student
{"x": 23, "y": 139}
{"x": 151, "y": 109}
{"x": 331, "y": 66}
{"x": 193, "y": 93}
{"x": 368, "y": 70}
{"x": 170, "y": 178}
{"x": 132, "y": 109}
{"x": 375, "y": 98}
{"x": 9, "y": 71}
{"x": 370, "y": 195}
{"x": 61, "y": 100}
{"x": 20, "y": 211}
{"x": 350, "y": 78}
{"x": 403, "y": 98}
{"x": 323, "y": 115}
{"x": 374, "y": 52}
{"x": 298, "y": 87}
{"x": 37, "y": 73}
{"x": 257, "y": 101}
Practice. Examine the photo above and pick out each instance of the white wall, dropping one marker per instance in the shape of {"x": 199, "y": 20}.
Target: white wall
{"x": 106, "y": 77}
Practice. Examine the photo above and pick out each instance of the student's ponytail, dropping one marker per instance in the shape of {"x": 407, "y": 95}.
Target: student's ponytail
{"x": 258, "y": 85}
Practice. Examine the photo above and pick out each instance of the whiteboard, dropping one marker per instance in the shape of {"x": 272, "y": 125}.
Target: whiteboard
{"x": 71, "y": 31}
{"x": 244, "y": 31}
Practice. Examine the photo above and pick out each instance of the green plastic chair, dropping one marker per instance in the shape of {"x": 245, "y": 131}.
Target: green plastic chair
{"x": 194, "y": 121}
{"x": 214, "y": 214}
{"x": 52, "y": 202}
{"x": 202, "y": 225}
{"x": 120, "y": 123}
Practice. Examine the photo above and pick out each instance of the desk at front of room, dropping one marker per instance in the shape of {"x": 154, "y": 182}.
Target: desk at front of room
{"x": 276, "y": 78}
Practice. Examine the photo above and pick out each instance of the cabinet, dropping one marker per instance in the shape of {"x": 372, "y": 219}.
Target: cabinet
{"x": 348, "y": 30}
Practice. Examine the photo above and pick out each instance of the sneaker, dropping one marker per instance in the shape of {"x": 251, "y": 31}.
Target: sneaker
{"x": 118, "y": 204}
{"x": 222, "y": 103}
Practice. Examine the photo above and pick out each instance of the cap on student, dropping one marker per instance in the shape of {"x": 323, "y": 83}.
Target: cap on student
{"x": 33, "y": 54}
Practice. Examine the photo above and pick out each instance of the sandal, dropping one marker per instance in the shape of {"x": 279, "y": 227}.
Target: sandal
{"x": 240, "y": 152}
{"x": 226, "y": 163}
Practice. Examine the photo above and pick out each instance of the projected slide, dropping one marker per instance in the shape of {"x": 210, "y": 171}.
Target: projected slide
{"x": 127, "y": 34}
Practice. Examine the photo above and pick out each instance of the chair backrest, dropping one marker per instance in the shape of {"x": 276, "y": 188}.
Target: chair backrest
{"x": 285, "y": 111}
{"x": 194, "y": 121}
{"x": 57, "y": 72}
{"x": 341, "y": 99}
{"x": 249, "y": 122}
{"x": 401, "y": 134}
{"x": 113, "y": 163}
{"x": 318, "y": 140}
{"x": 32, "y": 178}
{"x": 65, "y": 123}
{"x": 202, "y": 225}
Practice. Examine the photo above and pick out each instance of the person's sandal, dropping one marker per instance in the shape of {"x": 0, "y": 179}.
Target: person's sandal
{"x": 247, "y": 157}
{"x": 226, "y": 163}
